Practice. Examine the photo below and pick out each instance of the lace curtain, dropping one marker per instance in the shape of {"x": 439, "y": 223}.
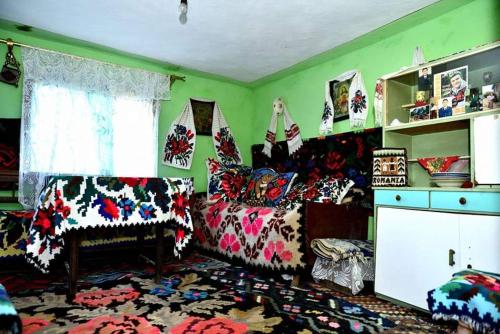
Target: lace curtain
{"x": 84, "y": 117}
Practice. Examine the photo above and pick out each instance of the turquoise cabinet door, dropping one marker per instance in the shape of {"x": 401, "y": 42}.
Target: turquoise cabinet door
{"x": 466, "y": 201}
{"x": 403, "y": 198}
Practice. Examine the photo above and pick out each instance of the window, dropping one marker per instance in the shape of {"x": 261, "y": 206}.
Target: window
{"x": 80, "y": 133}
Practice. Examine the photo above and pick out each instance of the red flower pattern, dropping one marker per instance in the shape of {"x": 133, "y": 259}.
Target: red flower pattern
{"x": 209, "y": 326}
{"x": 229, "y": 243}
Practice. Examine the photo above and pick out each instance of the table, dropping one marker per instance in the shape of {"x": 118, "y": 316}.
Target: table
{"x": 72, "y": 203}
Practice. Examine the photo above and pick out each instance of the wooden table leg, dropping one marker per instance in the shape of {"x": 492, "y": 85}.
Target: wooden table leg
{"x": 159, "y": 252}
{"x": 73, "y": 265}
{"x": 140, "y": 241}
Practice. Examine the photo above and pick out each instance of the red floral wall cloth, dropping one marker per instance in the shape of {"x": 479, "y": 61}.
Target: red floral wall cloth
{"x": 78, "y": 202}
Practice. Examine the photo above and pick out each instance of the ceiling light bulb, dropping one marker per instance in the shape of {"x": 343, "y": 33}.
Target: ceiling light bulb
{"x": 183, "y": 7}
{"x": 183, "y": 18}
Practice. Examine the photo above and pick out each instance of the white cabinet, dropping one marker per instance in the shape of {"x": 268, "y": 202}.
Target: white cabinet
{"x": 418, "y": 250}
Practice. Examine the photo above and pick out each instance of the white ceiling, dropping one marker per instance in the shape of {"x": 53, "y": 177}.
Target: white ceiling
{"x": 239, "y": 39}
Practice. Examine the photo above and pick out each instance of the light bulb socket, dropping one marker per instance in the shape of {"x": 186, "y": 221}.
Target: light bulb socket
{"x": 183, "y": 7}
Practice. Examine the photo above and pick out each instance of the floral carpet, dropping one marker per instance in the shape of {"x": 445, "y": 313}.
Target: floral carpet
{"x": 196, "y": 295}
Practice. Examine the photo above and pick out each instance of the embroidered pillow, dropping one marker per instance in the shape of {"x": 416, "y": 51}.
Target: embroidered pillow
{"x": 268, "y": 186}
{"x": 225, "y": 183}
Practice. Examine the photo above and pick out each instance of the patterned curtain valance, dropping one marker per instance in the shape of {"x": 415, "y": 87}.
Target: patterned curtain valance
{"x": 93, "y": 76}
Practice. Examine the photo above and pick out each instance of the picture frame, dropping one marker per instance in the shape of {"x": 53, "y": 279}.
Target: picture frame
{"x": 491, "y": 94}
{"x": 425, "y": 79}
{"x": 339, "y": 91}
{"x": 390, "y": 167}
{"x": 420, "y": 113}
{"x": 203, "y": 116}
{"x": 444, "y": 108}
{"x": 453, "y": 84}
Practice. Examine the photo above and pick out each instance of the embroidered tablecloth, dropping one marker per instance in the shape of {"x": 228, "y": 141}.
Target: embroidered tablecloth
{"x": 80, "y": 202}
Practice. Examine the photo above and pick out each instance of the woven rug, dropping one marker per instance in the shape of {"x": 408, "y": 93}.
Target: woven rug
{"x": 196, "y": 295}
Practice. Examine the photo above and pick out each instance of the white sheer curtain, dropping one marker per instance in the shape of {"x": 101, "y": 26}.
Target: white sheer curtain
{"x": 84, "y": 117}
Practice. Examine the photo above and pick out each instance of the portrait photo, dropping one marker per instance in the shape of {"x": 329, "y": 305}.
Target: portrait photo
{"x": 444, "y": 107}
{"x": 425, "y": 78}
{"x": 454, "y": 84}
{"x": 420, "y": 114}
{"x": 340, "y": 98}
{"x": 203, "y": 114}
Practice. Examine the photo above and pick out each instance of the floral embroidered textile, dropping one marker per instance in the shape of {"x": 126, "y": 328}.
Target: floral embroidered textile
{"x": 76, "y": 202}
{"x": 267, "y": 187}
{"x": 181, "y": 140}
{"x": 226, "y": 183}
{"x": 471, "y": 296}
{"x": 264, "y": 237}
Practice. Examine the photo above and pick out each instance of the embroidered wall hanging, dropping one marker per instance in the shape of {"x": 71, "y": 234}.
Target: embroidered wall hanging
{"x": 389, "y": 168}
{"x": 292, "y": 131}
{"x": 181, "y": 139}
{"x": 357, "y": 102}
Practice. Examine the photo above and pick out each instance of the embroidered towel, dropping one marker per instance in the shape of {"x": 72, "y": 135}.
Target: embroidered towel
{"x": 357, "y": 102}
{"x": 181, "y": 140}
{"x": 378, "y": 103}
{"x": 224, "y": 143}
{"x": 292, "y": 131}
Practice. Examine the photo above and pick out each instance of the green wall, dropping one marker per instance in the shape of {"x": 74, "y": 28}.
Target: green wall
{"x": 235, "y": 100}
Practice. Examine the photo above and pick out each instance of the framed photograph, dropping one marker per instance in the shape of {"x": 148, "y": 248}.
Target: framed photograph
{"x": 420, "y": 114}
{"x": 491, "y": 96}
{"x": 444, "y": 107}
{"x": 390, "y": 167}
{"x": 452, "y": 84}
{"x": 425, "y": 78}
{"x": 340, "y": 96}
{"x": 203, "y": 114}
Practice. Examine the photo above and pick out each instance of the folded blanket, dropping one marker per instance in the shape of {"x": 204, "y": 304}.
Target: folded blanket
{"x": 9, "y": 320}
{"x": 336, "y": 249}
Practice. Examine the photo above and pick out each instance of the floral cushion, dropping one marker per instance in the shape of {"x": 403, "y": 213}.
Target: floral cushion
{"x": 267, "y": 187}
{"x": 325, "y": 190}
{"x": 471, "y": 296}
{"x": 225, "y": 183}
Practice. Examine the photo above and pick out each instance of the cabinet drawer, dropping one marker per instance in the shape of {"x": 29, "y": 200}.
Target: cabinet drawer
{"x": 466, "y": 201}
{"x": 414, "y": 199}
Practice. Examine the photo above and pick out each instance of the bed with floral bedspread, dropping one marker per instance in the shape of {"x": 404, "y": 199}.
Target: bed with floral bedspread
{"x": 263, "y": 237}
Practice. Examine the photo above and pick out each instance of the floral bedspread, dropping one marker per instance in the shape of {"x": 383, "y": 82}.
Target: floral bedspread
{"x": 78, "y": 202}
{"x": 264, "y": 237}
{"x": 14, "y": 226}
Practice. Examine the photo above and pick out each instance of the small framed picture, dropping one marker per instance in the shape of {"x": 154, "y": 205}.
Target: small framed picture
{"x": 421, "y": 113}
{"x": 452, "y": 84}
{"x": 491, "y": 95}
{"x": 444, "y": 107}
{"x": 425, "y": 78}
{"x": 340, "y": 97}
{"x": 202, "y": 114}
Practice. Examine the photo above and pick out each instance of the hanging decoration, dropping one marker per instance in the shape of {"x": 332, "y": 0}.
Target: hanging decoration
{"x": 292, "y": 131}
{"x": 180, "y": 142}
{"x": 10, "y": 73}
{"x": 418, "y": 56}
{"x": 224, "y": 143}
{"x": 181, "y": 139}
{"x": 357, "y": 102}
{"x": 378, "y": 103}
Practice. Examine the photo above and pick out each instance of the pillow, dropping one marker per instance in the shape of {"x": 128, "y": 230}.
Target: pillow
{"x": 267, "y": 186}
{"x": 325, "y": 190}
{"x": 225, "y": 183}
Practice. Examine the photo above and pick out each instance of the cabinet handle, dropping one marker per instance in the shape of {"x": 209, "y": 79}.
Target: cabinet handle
{"x": 398, "y": 198}
{"x": 451, "y": 257}
{"x": 462, "y": 200}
